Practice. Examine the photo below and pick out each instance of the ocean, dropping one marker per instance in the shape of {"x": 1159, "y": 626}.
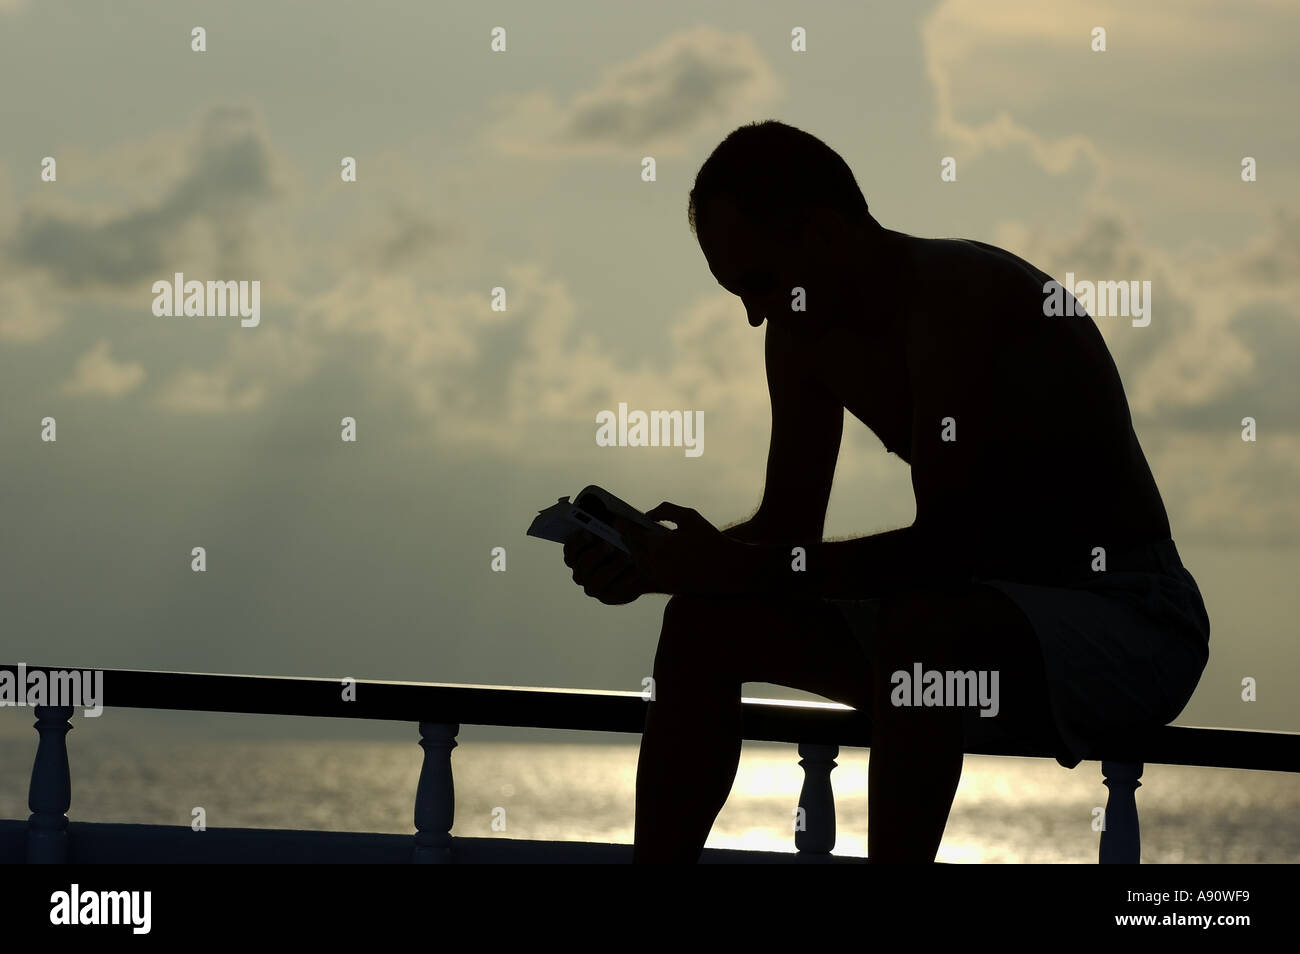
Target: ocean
{"x": 1007, "y": 810}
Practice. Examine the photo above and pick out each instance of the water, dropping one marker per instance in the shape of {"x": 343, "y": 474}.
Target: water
{"x": 1006, "y": 810}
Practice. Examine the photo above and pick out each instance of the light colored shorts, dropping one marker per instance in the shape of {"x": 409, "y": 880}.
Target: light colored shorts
{"x": 1123, "y": 650}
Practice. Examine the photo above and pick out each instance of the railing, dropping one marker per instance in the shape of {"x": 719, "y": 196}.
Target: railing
{"x": 819, "y": 729}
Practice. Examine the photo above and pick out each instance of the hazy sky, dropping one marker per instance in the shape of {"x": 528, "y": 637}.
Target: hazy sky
{"x": 522, "y": 169}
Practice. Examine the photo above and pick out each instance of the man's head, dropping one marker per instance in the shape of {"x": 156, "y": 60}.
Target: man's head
{"x": 775, "y": 208}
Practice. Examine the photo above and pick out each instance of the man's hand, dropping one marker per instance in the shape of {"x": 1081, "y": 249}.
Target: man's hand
{"x": 603, "y": 571}
{"x": 696, "y": 558}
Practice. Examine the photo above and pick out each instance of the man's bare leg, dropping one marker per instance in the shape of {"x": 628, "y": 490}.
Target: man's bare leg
{"x": 691, "y": 746}
{"x": 916, "y": 752}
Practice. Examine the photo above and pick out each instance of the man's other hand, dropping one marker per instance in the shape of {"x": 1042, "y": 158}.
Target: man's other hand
{"x": 696, "y": 558}
{"x": 602, "y": 570}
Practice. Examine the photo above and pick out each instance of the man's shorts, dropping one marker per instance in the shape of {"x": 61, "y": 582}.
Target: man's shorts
{"x": 1123, "y": 649}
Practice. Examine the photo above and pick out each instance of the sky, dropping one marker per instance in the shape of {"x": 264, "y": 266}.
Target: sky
{"x": 522, "y": 169}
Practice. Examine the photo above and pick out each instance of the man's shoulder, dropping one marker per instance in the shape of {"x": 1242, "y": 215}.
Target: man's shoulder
{"x": 949, "y": 294}
{"x": 972, "y": 262}
{"x": 962, "y": 293}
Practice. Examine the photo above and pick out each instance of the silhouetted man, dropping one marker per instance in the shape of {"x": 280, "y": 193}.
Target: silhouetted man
{"x": 1040, "y": 550}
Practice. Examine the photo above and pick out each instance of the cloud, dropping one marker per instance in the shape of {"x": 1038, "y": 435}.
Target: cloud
{"x": 493, "y": 379}
{"x": 229, "y": 175}
{"x": 1221, "y": 489}
{"x": 1269, "y": 264}
{"x": 410, "y": 237}
{"x": 28, "y": 309}
{"x": 977, "y": 53}
{"x": 699, "y": 80}
{"x": 192, "y": 391}
{"x": 1266, "y": 390}
{"x": 98, "y": 374}
{"x": 443, "y": 369}
{"x": 1021, "y": 74}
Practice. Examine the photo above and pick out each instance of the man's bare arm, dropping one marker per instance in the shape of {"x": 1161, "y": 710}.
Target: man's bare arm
{"x": 807, "y": 424}
{"x": 949, "y": 381}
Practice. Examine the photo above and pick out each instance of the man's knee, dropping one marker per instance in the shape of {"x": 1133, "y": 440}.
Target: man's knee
{"x": 693, "y": 628}
{"x": 707, "y": 637}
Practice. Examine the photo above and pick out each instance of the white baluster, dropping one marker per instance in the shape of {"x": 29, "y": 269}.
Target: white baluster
{"x": 435, "y": 795}
{"x": 817, "y": 799}
{"x": 50, "y": 794}
{"x": 1121, "y": 842}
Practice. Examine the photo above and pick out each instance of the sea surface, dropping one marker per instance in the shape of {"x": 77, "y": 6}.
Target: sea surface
{"x": 1006, "y": 810}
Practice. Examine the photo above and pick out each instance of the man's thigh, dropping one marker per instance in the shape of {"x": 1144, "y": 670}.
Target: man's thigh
{"x": 803, "y": 644}
{"x": 846, "y": 651}
{"x": 967, "y": 628}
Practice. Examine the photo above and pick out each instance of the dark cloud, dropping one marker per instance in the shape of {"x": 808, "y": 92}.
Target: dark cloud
{"x": 701, "y": 79}
{"x": 1102, "y": 247}
{"x": 648, "y": 105}
{"x": 410, "y": 238}
{"x": 230, "y": 172}
{"x": 1269, "y": 392}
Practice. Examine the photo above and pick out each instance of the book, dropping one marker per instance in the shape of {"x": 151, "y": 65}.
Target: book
{"x": 595, "y": 510}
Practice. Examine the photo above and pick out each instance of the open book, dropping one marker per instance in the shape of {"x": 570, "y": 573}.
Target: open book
{"x": 593, "y": 510}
